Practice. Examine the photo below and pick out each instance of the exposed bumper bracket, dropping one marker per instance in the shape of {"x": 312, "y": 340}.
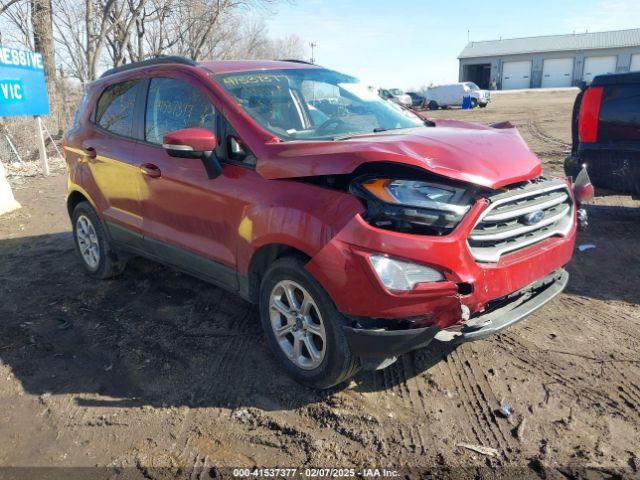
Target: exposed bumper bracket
{"x": 526, "y": 301}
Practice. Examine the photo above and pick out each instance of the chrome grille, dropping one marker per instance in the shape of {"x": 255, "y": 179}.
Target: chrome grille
{"x": 508, "y": 224}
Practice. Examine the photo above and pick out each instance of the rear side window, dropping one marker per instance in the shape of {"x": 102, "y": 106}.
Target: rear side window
{"x": 174, "y": 104}
{"x": 80, "y": 110}
{"x": 115, "y": 108}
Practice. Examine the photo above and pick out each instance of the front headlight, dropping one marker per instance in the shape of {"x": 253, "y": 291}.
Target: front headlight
{"x": 400, "y": 275}
{"x": 413, "y": 205}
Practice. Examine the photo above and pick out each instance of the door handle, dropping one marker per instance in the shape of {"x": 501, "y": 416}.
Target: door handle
{"x": 151, "y": 170}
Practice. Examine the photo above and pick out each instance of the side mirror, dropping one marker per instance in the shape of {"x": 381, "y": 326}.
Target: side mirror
{"x": 194, "y": 143}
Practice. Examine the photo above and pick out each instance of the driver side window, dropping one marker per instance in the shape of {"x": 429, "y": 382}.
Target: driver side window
{"x": 174, "y": 104}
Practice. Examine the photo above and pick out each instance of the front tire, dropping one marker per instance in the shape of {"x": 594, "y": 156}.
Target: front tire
{"x": 302, "y": 326}
{"x": 95, "y": 252}
{"x": 433, "y": 105}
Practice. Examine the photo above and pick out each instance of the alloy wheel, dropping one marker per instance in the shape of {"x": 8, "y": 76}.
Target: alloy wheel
{"x": 88, "y": 241}
{"x": 297, "y": 324}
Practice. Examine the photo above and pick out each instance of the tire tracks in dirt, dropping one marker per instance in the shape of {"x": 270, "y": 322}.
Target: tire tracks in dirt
{"x": 480, "y": 401}
{"x": 406, "y": 385}
{"x": 534, "y": 129}
{"x": 610, "y": 321}
{"x": 543, "y": 363}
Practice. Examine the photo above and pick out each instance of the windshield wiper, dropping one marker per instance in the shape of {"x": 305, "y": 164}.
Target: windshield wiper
{"x": 427, "y": 123}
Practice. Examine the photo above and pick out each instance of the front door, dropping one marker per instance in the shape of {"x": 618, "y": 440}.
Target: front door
{"x": 186, "y": 217}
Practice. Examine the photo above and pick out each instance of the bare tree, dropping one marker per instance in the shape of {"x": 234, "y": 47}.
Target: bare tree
{"x": 82, "y": 28}
{"x": 90, "y": 35}
{"x": 42, "y": 23}
{"x": 6, "y": 4}
{"x": 17, "y": 23}
{"x": 250, "y": 40}
{"x": 127, "y": 15}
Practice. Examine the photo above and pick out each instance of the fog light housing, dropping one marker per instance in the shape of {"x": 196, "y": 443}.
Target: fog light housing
{"x": 400, "y": 275}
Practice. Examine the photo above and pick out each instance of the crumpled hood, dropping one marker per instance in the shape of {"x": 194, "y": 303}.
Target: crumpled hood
{"x": 483, "y": 155}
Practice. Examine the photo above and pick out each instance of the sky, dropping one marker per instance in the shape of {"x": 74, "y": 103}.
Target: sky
{"x": 407, "y": 44}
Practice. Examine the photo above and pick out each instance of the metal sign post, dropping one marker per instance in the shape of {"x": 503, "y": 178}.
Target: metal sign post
{"x": 41, "y": 146}
{"x": 23, "y": 91}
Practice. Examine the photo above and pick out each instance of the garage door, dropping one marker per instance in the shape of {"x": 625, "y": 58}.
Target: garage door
{"x": 635, "y": 62}
{"x": 597, "y": 66}
{"x": 557, "y": 72}
{"x": 516, "y": 75}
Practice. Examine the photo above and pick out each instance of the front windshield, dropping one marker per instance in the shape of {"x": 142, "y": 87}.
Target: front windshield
{"x": 314, "y": 104}
{"x": 396, "y": 91}
{"x": 472, "y": 86}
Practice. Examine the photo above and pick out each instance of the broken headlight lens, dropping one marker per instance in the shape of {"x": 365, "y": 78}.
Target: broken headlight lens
{"x": 413, "y": 206}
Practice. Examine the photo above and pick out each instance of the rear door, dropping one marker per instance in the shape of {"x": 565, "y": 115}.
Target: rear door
{"x": 110, "y": 149}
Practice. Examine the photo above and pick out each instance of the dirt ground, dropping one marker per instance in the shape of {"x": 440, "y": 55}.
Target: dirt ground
{"x": 156, "y": 374}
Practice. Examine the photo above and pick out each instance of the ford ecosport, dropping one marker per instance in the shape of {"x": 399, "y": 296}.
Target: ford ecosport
{"x": 361, "y": 230}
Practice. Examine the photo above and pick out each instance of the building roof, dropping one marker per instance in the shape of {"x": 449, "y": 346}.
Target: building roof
{"x": 550, "y": 43}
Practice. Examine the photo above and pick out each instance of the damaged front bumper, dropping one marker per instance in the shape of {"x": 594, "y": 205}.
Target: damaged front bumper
{"x": 503, "y": 313}
{"x": 371, "y": 342}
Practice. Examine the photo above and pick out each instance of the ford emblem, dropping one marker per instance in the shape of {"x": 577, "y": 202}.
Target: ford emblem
{"x": 534, "y": 217}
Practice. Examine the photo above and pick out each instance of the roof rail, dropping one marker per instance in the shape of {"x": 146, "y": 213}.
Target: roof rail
{"x": 151, "y": 61}
{"x": 293, "y": 60}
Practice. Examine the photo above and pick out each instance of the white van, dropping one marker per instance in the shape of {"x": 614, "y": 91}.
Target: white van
{"x": 444, "y": 96}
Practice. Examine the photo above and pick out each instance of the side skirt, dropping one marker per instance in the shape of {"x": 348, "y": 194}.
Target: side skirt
{"x": 173, "y": 256}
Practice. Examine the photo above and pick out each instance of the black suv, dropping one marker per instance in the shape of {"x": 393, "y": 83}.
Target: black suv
{"x": 606, "y": 133}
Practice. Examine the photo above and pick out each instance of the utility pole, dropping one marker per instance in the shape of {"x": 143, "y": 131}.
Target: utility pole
{"x": 313, "y": 46}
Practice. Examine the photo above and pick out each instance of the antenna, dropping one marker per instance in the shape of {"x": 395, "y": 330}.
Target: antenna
{"x": 313, "y": 46}
{"x": 468, "y": 32}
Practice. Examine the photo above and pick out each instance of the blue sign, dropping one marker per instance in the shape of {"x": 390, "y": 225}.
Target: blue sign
{"x": 23, "y": 90}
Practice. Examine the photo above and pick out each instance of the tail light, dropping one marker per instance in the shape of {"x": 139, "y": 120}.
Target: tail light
{"x": 589, "y": 114}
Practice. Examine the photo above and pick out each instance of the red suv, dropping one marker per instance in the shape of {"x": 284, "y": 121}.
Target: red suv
{"x": 361, "y": 229}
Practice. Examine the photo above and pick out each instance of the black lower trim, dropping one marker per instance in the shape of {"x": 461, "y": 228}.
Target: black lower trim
{"x": 380, "y": 343}
{"x": 122, "y": 235}
{"x": 176, "y": 257}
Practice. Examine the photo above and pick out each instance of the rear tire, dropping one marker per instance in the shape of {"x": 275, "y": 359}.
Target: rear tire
{"x": 92, "y": 244}
{"x": 302, "y": 326}
{"x": 432, "y": 105}
{"x": 474, "y": 102}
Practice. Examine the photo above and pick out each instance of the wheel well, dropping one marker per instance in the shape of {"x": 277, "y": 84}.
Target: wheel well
{"x": 262, "y": 258}
{"x": 74, "y": 199}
